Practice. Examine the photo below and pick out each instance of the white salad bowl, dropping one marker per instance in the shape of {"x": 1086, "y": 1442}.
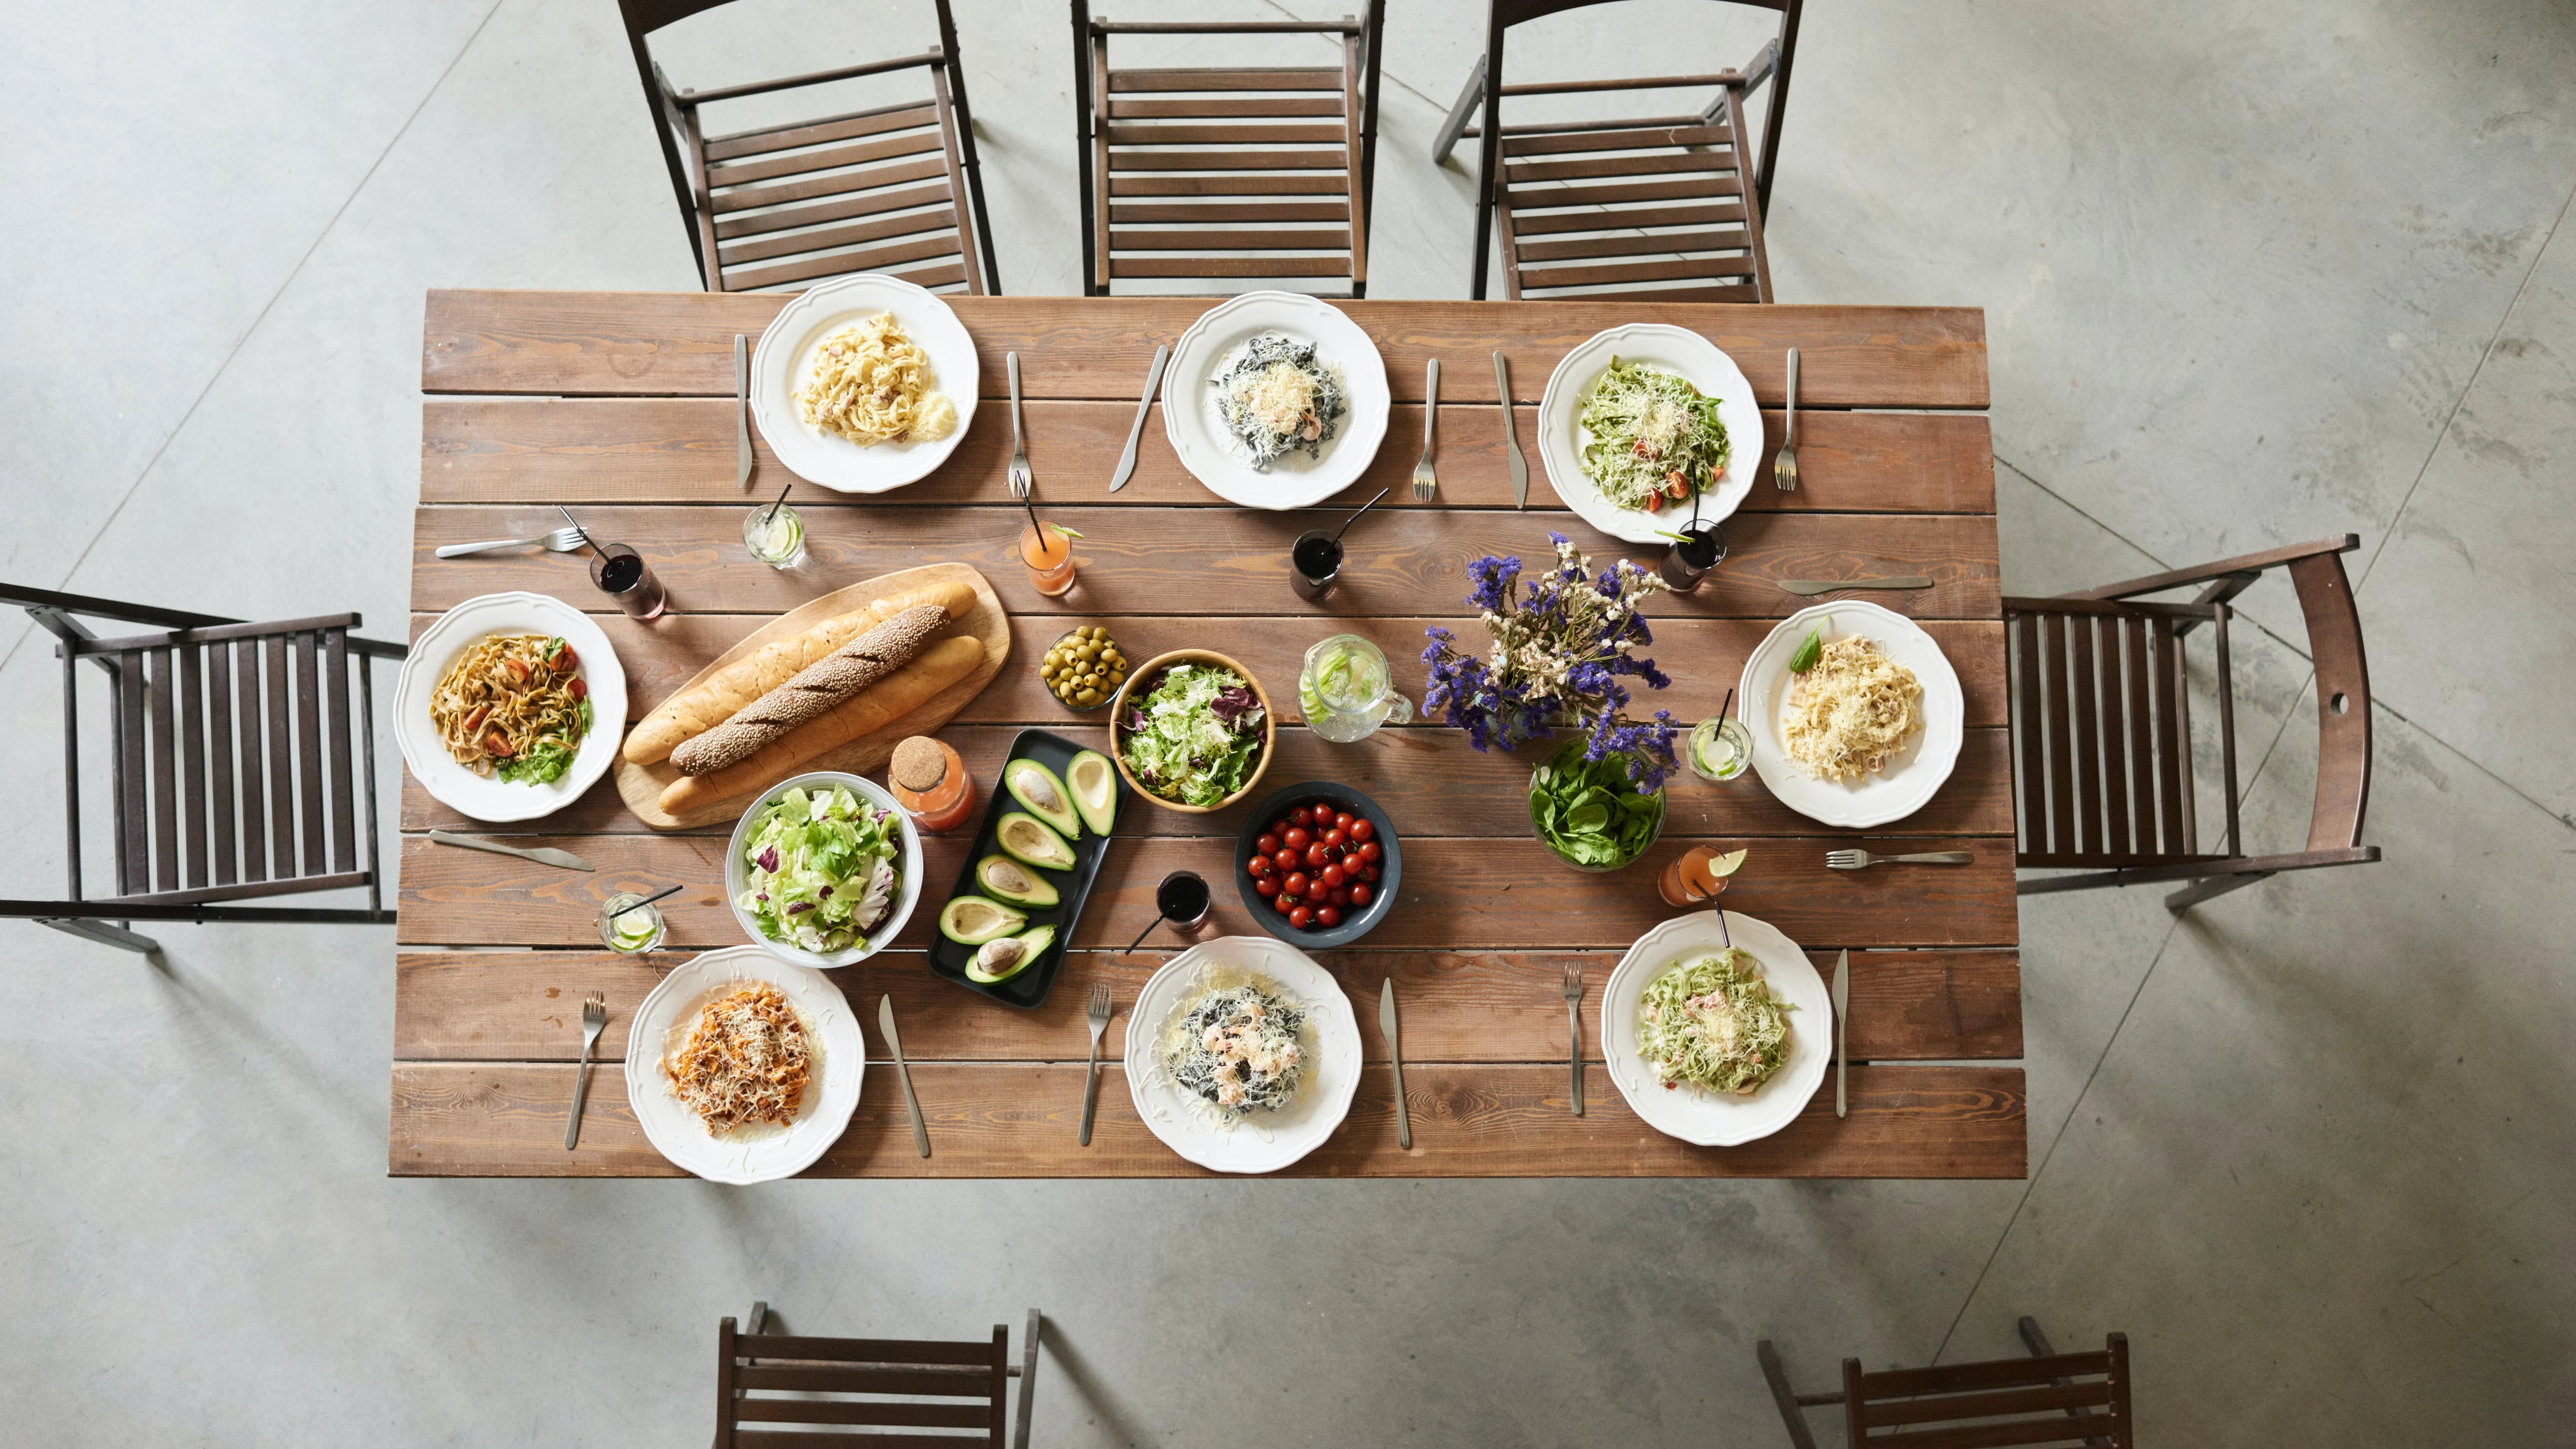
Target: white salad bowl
{"x": 1198, "y": 432}
{"x": 1677, "y": 350}
{"x": 907, "y": 889}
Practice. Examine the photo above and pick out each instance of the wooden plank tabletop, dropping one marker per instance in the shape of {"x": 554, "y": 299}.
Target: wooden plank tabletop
{"x": 620, "y": 405}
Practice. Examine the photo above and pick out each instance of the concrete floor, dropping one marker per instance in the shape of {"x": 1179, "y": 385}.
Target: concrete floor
{"x": 2253, "y": 273}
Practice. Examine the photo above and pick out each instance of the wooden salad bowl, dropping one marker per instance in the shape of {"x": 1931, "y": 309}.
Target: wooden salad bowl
{"x": 1152, "y": 670}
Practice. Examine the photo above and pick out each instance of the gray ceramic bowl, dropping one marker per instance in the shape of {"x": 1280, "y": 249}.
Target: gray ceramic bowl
{"x": 1390, "y": 868}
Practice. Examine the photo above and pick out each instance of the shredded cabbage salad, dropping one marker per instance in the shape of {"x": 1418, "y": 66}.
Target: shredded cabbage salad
{"x": 1654, "y": 436}
{"x": 824, "y": 869}
{"x": 1195, "y": 736}
{"x": 1713, "y": 1024}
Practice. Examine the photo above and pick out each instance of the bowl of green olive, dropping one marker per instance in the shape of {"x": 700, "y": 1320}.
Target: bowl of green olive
{"x": 1083, "y": 669}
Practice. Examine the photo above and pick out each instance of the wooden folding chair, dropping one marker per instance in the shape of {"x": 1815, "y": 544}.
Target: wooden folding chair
{"x": 242, "y": 765}
{"x": 801, "y": 1392}
{"x": 2048, "y": 1398}
{"x": 2102, "y": 728}
{"x": 1662, "y": 207}
{"x": 1185, "y": 170}
{"x": 789, "y": 205}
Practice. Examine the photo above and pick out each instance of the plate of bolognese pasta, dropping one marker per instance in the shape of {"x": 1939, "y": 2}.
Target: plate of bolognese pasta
{"x": 510, "y": 706}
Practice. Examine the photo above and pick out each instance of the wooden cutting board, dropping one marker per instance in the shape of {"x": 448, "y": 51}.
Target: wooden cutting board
{"x": 641, "y": 786}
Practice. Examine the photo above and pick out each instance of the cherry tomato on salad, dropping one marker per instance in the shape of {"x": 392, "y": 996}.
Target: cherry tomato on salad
{"x": 1360, "y": 893}
{"x": 1362, "y": 830}
{"x": 581, "y": 689}
{"x": 1328, "y": 916}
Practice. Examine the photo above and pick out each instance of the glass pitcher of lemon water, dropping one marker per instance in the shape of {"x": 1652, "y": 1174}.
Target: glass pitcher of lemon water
{"x": 1347, "y": 692}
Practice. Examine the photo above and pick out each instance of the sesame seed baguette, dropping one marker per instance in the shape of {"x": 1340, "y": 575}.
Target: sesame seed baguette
{"x": 812, "y": 692}
{"x": 886, "y": 704}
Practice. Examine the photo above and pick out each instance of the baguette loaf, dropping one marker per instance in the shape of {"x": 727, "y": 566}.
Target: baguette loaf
{"x": 815, "y": 689}
{"x": 703, "y": 706}
{"x": 890, "y": 699}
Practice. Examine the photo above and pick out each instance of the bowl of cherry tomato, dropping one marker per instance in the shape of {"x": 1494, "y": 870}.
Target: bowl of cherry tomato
{"x": 1318, "y": 864}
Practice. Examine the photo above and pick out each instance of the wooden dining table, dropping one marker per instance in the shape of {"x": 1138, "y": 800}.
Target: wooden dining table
{"x": 621, "y": 407}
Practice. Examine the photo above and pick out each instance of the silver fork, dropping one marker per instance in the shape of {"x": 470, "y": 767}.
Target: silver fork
{"x": 594, "y": 1015}
{"x": 1022, "y": 480}
{"x": 1426, "y": 484}
{"x": 1784, "y": 468}
{"x": 1091, "y": 1079}
{"x": 562, "y": 540}
{"x": 1860, "y": 859}
{"x": 1574, "y": 1028}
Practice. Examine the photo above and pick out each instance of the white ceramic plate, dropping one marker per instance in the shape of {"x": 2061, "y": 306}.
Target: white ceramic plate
{"x": 907, "y": 890}
{"x": 1708, "y": 1119}
{"x": 1264, "y": 1142}
{"x": 1676, "y": 350}
{"x": 759, "y": 1153}
{"x": 785, "y": 359}
{"x": 489, "y": 797}
{"x": 1211, "y": 452}
{"x": 1918, "y": 769}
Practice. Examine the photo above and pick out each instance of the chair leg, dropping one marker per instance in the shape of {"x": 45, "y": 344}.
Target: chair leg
{"x": 2037, "y": 1342}
{"x": 757, "y": 1320}
{"x": 1792, "y": 1417}
{"x": 104, "y": 934}
{"x": 2210, "y": 889}
{"x": 1028, "y": 1380}
{"x": 1456, "y": 125}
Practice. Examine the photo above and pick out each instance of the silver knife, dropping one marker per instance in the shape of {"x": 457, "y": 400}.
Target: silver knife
{"x": 1511, "y": 443}
{"x": 1827, "y": 586}
{"x": 894, "y": 1044}
{"x": 1395, "y": 1059}
{"x": 1144, "y": 405}
{"x": 542, "y": 855}
{"x": 1842, "y": 1031}
{"x": 741, "y": 411}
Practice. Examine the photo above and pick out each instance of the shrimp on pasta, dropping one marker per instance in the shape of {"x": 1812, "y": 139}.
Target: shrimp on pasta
{"x": 515, "y": 705}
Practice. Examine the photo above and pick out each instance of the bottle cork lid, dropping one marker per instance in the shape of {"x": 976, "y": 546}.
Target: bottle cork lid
{"x": 919, "y": 764}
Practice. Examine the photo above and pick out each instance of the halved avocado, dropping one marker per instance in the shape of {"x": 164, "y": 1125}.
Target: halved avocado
{"x": 1094, "y": 783}
{"x": 1039, "y": 788}
{"x": 1004, "y": 880}
{"x": 1003, "y": 959}
{"x": 1026, "y": 839}
{"x": 973, "y": 920}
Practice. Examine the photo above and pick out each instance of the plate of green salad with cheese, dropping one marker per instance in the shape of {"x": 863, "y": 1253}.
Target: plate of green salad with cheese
{"x": 824, "y": 869}
{"x": 1644, "y": 424}
{"x": 1193, "y": 730}
{"x": 1716, "y": 1028}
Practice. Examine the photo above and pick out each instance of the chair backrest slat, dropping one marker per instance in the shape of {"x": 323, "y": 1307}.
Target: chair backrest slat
{"x": 2061, "y": 1399}
{"x": 2030, "y": 736}
{"x": 281, "y": 766}
{"x": 192, "y": 762}
{"x": 308, "y": 740}
{"x": 344, "y": 812}
{"x": 164, "y": 765}
{"x": 254, "y": 828}
{"x": 2343, "y": 701}
{"x": 2142, "y": 753}
{"x": 2089, "y": 838}
{"x": 878, "y": 1383}
{"x": 219, "y": 759}
{"x": 2061, "y": 746}
{"x": 2170, "y": 766}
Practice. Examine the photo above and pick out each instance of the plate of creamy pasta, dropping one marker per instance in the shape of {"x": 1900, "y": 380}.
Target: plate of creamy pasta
{"x": 743, "y": 1068}
{"x": 1275, "y": 400}
{"x": 509, "y": 706}
{"x": 1855, "y": 713}
{"x": 864, "y": 384}
{"x": 1242, "y": 1054}
{"x": 1717, "y": 1033}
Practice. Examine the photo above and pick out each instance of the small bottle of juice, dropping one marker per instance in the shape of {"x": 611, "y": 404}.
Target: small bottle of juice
{"x": 931, "y": 784}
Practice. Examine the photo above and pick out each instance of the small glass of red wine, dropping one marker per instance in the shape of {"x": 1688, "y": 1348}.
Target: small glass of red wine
{"x": 1696, "y": 551}
{"x": 1183, "y": 898}
{"x": 621, "y": 574}
{"x": 1316, "y": 562}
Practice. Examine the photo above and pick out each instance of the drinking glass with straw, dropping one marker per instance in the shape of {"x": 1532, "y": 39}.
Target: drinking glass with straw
{"x": 1720, "y": 746}
{"x": 1048, "y": 551}
{"x": 776, "y": 534}
{"x": 1315, "y": 560}
{"x": 1695, "y": 550}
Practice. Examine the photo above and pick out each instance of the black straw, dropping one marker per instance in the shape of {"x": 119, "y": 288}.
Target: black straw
{"x": 781, "y": 503}
{"x": 648, "y": 900}
{"x": 575, "y": 522}
{"x": 1141, "y": 935}
{"x": 1729, "y": 701}
{"x": 1354, "y": 518}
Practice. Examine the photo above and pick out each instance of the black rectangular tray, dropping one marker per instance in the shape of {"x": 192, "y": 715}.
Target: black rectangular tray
{"x": 1029, "y": 989}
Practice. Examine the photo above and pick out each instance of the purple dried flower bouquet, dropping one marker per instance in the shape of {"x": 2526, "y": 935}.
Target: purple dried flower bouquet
{"x": 1558, "y": 657}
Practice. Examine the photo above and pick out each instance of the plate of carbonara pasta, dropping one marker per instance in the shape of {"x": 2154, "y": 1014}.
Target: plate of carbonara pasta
{"x": 864, "y": 384}
{"x": 509, "y": 706}
{"x": 1855, "y": 713}
{"x": 743, "y": 1068}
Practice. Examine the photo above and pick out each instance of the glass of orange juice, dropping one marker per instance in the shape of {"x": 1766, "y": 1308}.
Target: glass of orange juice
{"x": 1048, "y": 551}
{"x": 1697, "y": 875}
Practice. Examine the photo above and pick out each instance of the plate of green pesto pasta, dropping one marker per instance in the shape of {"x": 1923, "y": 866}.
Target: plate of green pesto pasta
{"x": 1641, "y": 421}
{"x": 1716, "y": 1032}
